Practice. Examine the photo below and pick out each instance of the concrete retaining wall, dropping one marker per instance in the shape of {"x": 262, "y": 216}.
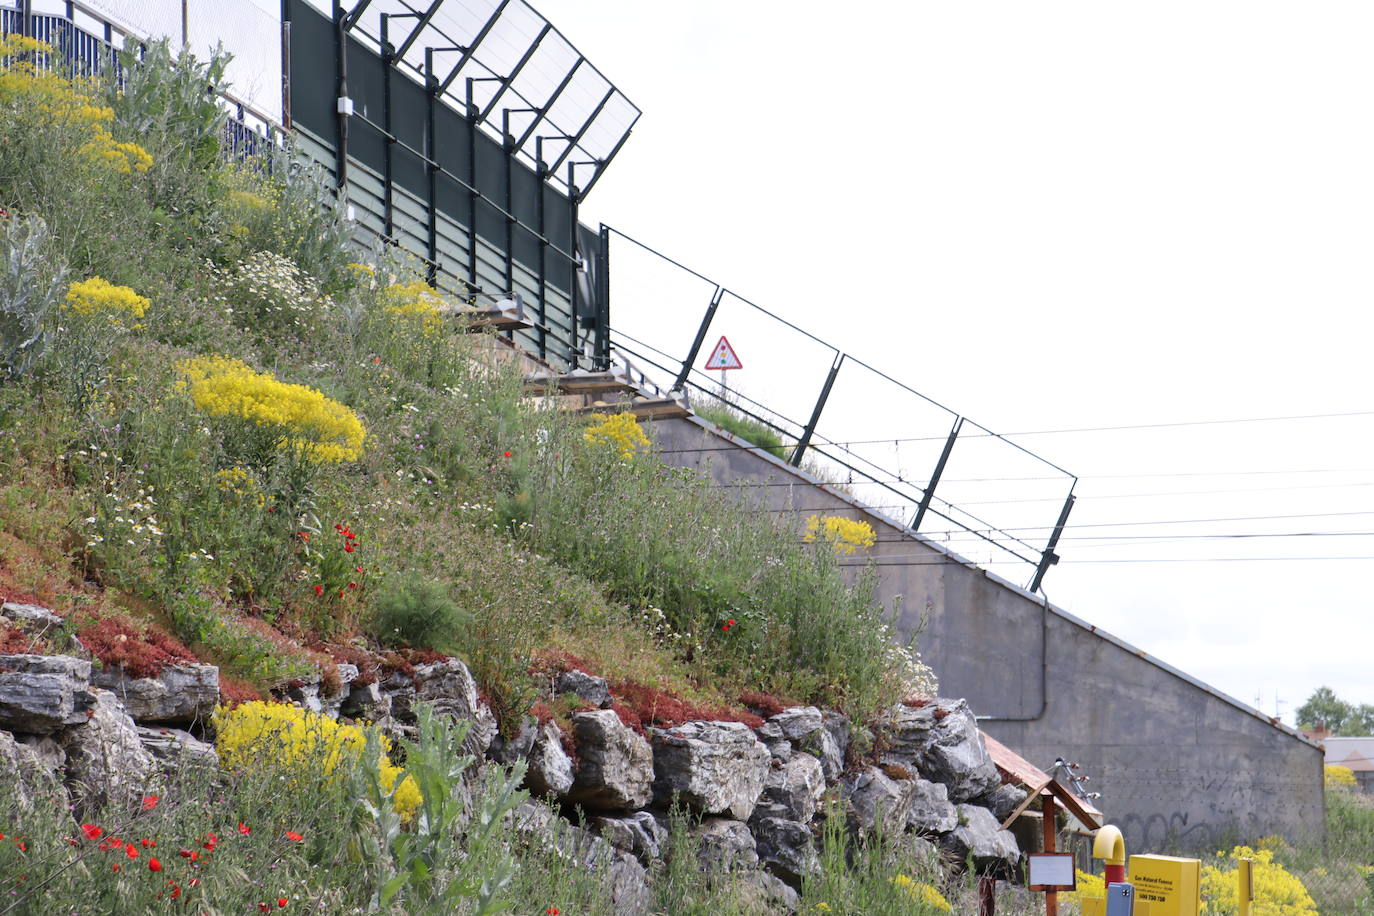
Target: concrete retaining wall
{"x": 1179, "y": 765}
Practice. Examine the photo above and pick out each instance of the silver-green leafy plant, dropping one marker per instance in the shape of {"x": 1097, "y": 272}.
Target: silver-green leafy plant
{"x": 31, "y": 281}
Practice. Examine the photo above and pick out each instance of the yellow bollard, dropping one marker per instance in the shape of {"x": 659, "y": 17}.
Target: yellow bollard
{"x": 1245, "y": 875}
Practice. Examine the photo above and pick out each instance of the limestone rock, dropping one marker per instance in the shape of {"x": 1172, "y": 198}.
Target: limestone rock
{"x": 879, "y": 802}
{"x": 42, "y": 693}
{"x": 550, "y": 768}
{"x": 793, "y": 791}
{"x": 30, "y": 618}
{"x": 931, "y": 811}
{"x": 724, "y": 845}
{"x": 25, "y": 773}
{"x": 586, "y": 687}
{"x": 941, "y": 740}
{"x": 106, "y": 763}
{"x": 797, "y": 722}
{"x": 508, "y": 751}
{"x": 764, "y": 893}
{"x": 979, "y": 835}
{"x": 450, "y": 687}
{"x": 822, "y": 745}
{"x": 333, "y": 700}
{"x": 786, "y": 848}
{"x": 174, "y": 748}
{"x": 715, "y": 767}
{"x": 46, "y": 749}
{"x": 366, "y": 701}
{"x": 639, "y": 834}
{"x": 180, "y": 694}
{"x": 837, "y": 724}
{"x": 1002, "y": 801}
{"x": 615, "y": 765}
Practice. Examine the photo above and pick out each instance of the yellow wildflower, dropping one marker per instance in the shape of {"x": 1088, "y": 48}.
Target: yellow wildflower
{"x": 620, "y": 430}
{"x": 419, "y": 301}
{"x": 846, "y": 535}
{"x": 923, "y": 893}
{"x": 1338, "y": 776}
{"x": 254, "y": 732}
{"x": 1278, "y": 892}
{"x": 100, "y": 297}
{"x": 323, "y": 429}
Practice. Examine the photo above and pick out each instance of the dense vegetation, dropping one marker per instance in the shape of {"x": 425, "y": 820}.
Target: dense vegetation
{"x": 229, "y": 431}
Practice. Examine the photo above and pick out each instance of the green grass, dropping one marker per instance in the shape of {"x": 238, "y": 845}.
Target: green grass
{"x": 740, "y": 426}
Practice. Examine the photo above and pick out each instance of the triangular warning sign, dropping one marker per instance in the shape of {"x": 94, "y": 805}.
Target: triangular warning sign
{"x": 723, "y": 357}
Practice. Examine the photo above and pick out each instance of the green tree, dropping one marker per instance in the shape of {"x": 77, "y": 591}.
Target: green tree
{"x": 1324, "y": 709}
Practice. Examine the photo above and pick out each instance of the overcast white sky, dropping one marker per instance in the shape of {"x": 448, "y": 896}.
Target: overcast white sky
{"x": 1060, "y": 215}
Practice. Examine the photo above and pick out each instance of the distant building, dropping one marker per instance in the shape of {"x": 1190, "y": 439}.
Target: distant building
{"x": 1355, "y": 753}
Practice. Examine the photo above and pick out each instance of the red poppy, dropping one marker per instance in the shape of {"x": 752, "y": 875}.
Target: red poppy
{"x": 154, "y": 864}
{"x": 293, "y": 836}
{"x": 210, "y": 841}
{"x": 91, "y": 831}
{"x": 147, "y": 843}
{"x": 244, "y": 828}
{"x": 281, "y": 902}
{"x": 176, "y": 891}
{"x": 150, "y": 802}
{"x": 552, "y": 911}
{"x": 352, "y": 585}
{"x": 131, "y": 850}
{"x": 264, "y": 908}
{"x": 319, "y": 589}
{"x": 348, "y": 548}
{"x": 507, "y": 455}
{"x": 186, "y": 853}
{"x": 338, "y": 527}
{"x": 116, "y": 867}
{"x": 357, "y": 569}
{"x": 22, "y": 846}
{"x": 305, "y": 535}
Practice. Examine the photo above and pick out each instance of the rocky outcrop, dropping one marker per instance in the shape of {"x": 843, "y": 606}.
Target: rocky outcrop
{"x": 713, "y": 767}
{"x": 615, "y": 768}
{"x": 40, "y": 694}
{"x": 179, "y": 695}
{"x": 451, "y": 689}
{"x": 550, "y": 769}
{"x": 793, "y": 790}
{"x": 980, "y": 837}
{"x": 639, "y": 834}
{"x": 106, "y": 761}
{"x": 590, "y": 689}
{"x": 879, "y": 803}
{"x": 786, "y": 848}
{"x": 724, "y": 845}
{"x": 931, "y": 811}
{"x": 30, "y": 618}
{"x": 24, "y": 771}
{"x": 174, "y": 748}
{"x": 940, "y": 740}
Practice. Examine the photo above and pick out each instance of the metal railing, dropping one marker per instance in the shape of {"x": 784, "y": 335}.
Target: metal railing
{"x": 892, "y": 448}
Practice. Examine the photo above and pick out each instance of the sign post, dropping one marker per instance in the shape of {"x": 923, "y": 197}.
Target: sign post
{"x": 723, "y": 358}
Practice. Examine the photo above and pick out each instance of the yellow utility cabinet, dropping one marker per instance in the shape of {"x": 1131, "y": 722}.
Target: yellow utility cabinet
{"x": 1169, "y": 886}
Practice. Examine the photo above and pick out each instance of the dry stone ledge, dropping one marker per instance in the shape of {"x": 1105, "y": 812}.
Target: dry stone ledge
{"x": 714, "y": 767}
{"x": 980, "y": 836}
{"x": 822, "y": 745}
{"x": 724, "y": 845}
{"x": 786, "y": 848}
{"x": 931, "y": 811}
{"x": 550, "y": 768}
{"x": 942, "y": 741}
{"x": 616, "y": 766}
{"x": 179, "y": 695}
{"x": 106, "y": 762}
{"x": 41, "y": 693}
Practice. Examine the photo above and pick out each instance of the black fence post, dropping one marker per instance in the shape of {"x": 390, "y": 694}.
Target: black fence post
{"x": 681, "y": 383}
{"x": 810, "y": 430}
{"x": 603, "y": 299}
{"x": 341, "y": 121}
{"x": 1048, "y": 557}
{"x": 935, "y": 476}
{"x": 540, "y": 176}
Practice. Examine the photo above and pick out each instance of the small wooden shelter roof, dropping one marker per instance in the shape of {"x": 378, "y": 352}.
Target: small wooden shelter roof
{"x": 1037, "y": 782}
